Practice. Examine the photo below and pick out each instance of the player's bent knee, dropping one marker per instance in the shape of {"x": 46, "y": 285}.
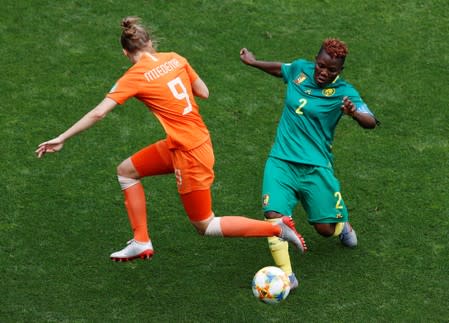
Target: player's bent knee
{"x": 325, "y": 229}
{"x": 213, "y": 227}
{"x": 121, "y": 169}
{"x": 127, "y": 169}
{"x": 202, "y": 226}
{"x": 272, "y": 215}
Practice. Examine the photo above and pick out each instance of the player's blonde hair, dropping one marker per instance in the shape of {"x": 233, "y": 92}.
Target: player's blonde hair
{"x": 134, "y": 36}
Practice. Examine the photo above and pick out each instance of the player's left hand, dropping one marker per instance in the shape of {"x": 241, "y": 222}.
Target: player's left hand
{"x": 348, "y": 107}
{"x": 50, "y": 146}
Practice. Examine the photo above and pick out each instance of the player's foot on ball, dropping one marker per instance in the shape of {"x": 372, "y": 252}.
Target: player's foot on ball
{"x": 293, "y": 281}
{"x": 348, "y": 236}
{"x": 290, "y": 234}
{"x": 134, "y": 250}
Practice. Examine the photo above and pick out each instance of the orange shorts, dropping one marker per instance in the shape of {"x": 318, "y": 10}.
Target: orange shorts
{"x": 193, "y": 168}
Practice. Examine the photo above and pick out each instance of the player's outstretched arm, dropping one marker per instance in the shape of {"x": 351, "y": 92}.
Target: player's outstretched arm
{"x": 248, "y": 58}
{"x": 87, "y": 121}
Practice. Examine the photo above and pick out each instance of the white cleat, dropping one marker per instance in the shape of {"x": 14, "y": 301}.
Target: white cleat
{"x": 290, "y": 234}
{"x": 348, "y": 236}
{"x": 134, "y": 250}
{"x": 293, "y": 281}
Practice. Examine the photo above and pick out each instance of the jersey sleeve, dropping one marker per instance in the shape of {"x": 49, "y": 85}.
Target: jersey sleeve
{"x": 360, "y": 105}
{"x": 286, "y": 70}
{"x": 193, "y": 75}
{"x": 290, "y": 70}
{"x": 123, "y": 89}
{"x": 363, "y": 108}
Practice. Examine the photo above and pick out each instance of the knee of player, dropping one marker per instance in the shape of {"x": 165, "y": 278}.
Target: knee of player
{"x": 272, "y": 215}
{"x": 209, "y": 227}
{"x": 200, "y": 231}
{"x": 200, "y": 228}
{"x": 121, "y": 170}
{"x": 127, "y": 169}
{"x": 325, "y": 229}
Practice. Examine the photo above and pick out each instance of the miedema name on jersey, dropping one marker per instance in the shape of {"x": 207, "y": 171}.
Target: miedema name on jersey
{"x": 162, "y": 69}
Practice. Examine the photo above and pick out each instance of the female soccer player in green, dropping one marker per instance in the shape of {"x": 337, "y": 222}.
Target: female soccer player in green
{"x": 299, "y": 168}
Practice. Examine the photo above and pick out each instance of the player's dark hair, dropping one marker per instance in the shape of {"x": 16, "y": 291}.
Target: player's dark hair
{"x": 134, "y": 36}
{"x": 335, "y": 48}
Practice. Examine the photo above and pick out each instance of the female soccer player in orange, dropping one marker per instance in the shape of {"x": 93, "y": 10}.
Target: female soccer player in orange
{"x": 167, "y": 84}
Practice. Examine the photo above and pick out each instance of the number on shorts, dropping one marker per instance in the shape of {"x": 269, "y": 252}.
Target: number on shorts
{"x": 338, "y": 205}
{"x": 179, "y": 91}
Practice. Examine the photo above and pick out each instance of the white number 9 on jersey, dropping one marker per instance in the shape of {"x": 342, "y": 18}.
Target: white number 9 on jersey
{"x": 179, "y": 91}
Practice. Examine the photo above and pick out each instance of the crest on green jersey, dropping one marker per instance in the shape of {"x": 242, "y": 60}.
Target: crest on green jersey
{"x": 301, "y": 78}
{"x": 328, "y": 92}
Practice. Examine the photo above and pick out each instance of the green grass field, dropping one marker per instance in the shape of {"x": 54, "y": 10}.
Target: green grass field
{"x": 62, "y": 216}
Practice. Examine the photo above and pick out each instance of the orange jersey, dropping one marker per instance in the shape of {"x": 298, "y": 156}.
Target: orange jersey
{"x": 163, "y": 81}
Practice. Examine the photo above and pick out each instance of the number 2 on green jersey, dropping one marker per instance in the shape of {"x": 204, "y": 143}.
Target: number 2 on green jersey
{"x": 302, "y": 103}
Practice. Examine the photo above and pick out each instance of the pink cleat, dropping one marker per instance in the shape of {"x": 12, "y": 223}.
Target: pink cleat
{"x": 290, "y": 234}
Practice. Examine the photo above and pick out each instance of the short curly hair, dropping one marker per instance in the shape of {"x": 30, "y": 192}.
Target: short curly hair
{"x": 335, "y": 48}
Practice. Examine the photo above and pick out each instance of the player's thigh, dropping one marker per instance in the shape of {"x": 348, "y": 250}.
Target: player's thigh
{"x": 321, "y": 197}
{"x": 154, "y": 159}
{"x": 194, "y": 168}
{"x": 279, "y": 191}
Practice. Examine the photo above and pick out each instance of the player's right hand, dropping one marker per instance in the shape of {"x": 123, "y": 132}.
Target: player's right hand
{"x": 247, "y": 57}
{"x": 50, "y": 146}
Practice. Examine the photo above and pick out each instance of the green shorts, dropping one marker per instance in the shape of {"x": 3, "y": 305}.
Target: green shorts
{"x": 285, "y": 184}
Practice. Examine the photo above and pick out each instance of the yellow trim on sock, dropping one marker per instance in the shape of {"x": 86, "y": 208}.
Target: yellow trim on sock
{"x": 338, "y": 228}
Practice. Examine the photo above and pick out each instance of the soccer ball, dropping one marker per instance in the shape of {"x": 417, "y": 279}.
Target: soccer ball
{"x": 271, "y": 285}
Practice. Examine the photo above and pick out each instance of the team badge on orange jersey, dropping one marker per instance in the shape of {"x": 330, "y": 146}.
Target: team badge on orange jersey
{"x": 328, "y": 92}
{"x": 301, "y": 78}
{"x": 265, "y": 199}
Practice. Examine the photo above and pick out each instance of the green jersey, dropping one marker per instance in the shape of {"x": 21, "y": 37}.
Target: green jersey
{"x": 306, "y": 129}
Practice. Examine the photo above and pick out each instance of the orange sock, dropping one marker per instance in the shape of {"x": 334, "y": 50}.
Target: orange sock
{"x": 239, "y": 226}
{"x": 137, "y": 211}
